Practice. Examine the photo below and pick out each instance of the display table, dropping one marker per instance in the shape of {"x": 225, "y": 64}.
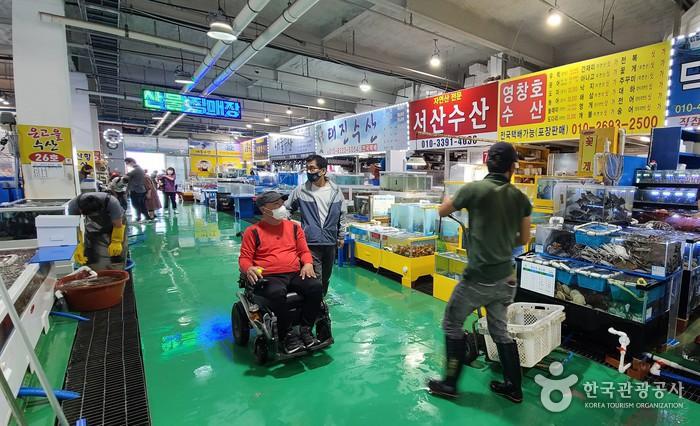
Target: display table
{"x": 410, "y": 268}
{"x": 244, "y": 206}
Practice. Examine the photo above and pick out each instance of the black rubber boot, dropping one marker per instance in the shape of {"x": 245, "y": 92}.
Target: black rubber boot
{"x": 510, "y": 388}
{"x": 455, "y": 350}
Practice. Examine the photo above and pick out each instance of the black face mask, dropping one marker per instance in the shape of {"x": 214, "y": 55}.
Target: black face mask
{"x": 313, "y": 177}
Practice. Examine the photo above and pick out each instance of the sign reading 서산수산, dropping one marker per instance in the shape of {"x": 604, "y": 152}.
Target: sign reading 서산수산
{"x": 380, "y": 130}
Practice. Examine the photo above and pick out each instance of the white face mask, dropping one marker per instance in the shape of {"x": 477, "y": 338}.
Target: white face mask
{"x": 280, "y": 213}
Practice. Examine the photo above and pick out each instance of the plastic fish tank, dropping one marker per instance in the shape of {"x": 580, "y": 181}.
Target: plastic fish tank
{"x": 264, "y": 178}
{"x": 373, "y": 206}
{"x": 418, "y": 218}
{"x": 634, "y": 299}
{"x": 452, "y": 186}
{"x": 544, "y": 187}
{"x": 666, "y": 177}
{"x": 594, "y": 203}
{"x": 17, "y": 219}
{"x": 450, "y": 265}
{"x": 405, "y": 181}
{"x": 360, "y": 233}
{"x": 667, "y": 196}
{"x": 449, "y": 228}
{"x": 468, "y": 172}
{"x": 242, "y": 189}
{"x": 379, "y": 234}
{"x": 348, "y": 179}
{"x": 409, "y": 244}
{"x": 291, "y": 179}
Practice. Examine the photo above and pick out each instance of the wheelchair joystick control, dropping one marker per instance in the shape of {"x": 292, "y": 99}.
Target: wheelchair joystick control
{"x": 255, "y": 312}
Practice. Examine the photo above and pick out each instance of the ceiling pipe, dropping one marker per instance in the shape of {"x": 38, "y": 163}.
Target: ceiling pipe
{"x": 284, "y": 21}
{"x": 128, "y": 34}
{"x": 109, "y": 95}
{"x": 244, "y": 18}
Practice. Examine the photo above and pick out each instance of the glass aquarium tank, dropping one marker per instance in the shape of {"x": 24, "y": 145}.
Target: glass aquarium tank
{"x": 468, "y": 172}
{"x": 409, "y": 244}
{"x": 594, "y": 203}
{"x": 290, "y": 179}
{"x": 449, "y": 228}
{"x": 450, "y": 265}
{"x": 348, "y": 179}
{"x": 667, "y": 177}
{"x": 418, "y": 218}
{"x": 264, "y": 178}
{"x": 637, "y": 300}
{"x": 544, "y": 187}
{"x": 405, "y": 181}
{"x": 378, "y": 235}
{"x": 17, "y": 219}
{"x": 667, "y": 196}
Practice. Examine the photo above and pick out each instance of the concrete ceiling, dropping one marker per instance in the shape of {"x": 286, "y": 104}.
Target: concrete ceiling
{"x": 332, "y": 47}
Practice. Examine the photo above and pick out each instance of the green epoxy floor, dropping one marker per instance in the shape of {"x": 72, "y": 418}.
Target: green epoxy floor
{"x": 388, "y": 342}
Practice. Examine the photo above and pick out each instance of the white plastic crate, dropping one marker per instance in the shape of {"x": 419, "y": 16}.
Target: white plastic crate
{"x": 536, "y": 328}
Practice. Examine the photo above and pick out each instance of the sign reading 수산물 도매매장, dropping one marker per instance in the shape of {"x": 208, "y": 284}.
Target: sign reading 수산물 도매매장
{"x": 468, "y": 113}
{"x": 684, "y": 91}
{"x": 623, "y": 90}
{"x": 381, "y": 130}
{"x": 193, "y": 105}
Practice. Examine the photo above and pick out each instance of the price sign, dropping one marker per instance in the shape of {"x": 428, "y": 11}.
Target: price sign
{"x": 44, "y": 144}
{"x": 538, "y": 278}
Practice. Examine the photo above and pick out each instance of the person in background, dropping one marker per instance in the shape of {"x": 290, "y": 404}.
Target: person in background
{"x": 137, "y": 188}
{"x": 169, "y": 188}
{"x": 117, "y": 187}
{"x": 86, "y": 172}
{"x": 323, "y": 212}
{"x": 152, "y": 201}
{"x": 275, "y": 249}
{"x": 499, "y": 220}
{"x": 104, "y": 243}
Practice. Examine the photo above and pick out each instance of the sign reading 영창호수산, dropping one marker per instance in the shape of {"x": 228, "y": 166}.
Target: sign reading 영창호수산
{"x": 381, "y": 130}
{"x": 684, "y": 97}
{"x": 468, "y": 113}
{"x": 193, "y": 105}
{"x": 624, "y": 90}
{"x": 292, "y": 144}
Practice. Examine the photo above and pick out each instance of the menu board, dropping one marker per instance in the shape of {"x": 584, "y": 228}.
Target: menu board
{"x": 624, "y": 90}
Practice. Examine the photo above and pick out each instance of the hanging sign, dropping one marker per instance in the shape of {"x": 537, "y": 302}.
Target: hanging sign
{"x": 293, "y": 144}
{"x": 684, "y": 89}
{"x": 260, "y": 152}
{"x": 44, "y": 145}
{"x": 203, "y": 165}
{"x": 624, "y": 90}
{"x": 86, "y": 158}
{"x": 192, "y": 105}
{"x": 200, "y": 147}
{"x": 468, "y": 113}
{"x": 380, "y": 130}
{"x": 592, "y": 142}
{"x": 228, "y": 156}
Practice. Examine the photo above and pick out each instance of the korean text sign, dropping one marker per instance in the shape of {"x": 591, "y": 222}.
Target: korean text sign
{"x": 466, "y": 112}
{"x": 200, "y": 147}
{"x": 247, "y": 151}
{"x": 193, "y": 105}
{"x": 260, "y": 149}
{"x": 292, "y": 144}
{"x": 44, "y": 145}
{"x": 380, "y": 130}
{"x": 684, "y": 100}
{"x": 624, "y": 90}
{"x": 228, "y": 149}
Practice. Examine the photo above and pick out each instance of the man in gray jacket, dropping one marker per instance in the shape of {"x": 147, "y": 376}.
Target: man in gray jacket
{"x": 323, "y": 212}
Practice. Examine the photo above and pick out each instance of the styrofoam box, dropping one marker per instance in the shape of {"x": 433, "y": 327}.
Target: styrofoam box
{"x": 57, "y": 230}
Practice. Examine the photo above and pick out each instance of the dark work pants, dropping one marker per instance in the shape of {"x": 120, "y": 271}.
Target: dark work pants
{"x": 138, "y": 202}
{"x": 324, "y": 258}
{"x": 275, "y": 294}
{"x": 170, "y": 197}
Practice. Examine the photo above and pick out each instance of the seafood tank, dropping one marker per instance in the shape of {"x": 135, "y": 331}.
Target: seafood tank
{"x": 667, "y": 177}
{"x": 409, "y": 244}
{"x": 418, "y": 218}
{"x": 405, "y": 181}
{"x": 17, "y": 218}
{"x": 348, "y": 179}
{"x": 545, "y": 185}
{"x": 594, "y": 203}
{"x": 450, "y": 265}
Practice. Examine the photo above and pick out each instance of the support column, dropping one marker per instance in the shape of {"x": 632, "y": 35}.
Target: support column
{"x": 43, "y": 97}
{"x": 396, "y": 161}
{"x": 82, "y": 128}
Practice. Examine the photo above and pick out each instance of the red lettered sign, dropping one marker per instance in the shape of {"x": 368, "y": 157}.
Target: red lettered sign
{"x": 523, "y": 101}
{"x": 46, "y": 157}
{"x": 464, "y": 112}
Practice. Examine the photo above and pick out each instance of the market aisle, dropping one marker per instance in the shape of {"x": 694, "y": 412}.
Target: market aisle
{"x": 388, "y": 341}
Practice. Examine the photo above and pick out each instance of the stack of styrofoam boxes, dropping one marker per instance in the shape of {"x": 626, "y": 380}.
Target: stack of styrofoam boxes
{"x": 58, "y": 230}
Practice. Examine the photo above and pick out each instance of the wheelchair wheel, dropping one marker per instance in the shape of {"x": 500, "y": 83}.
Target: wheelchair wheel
{"x": 260, "y": 350}
{"x": 323, "y": 330}
{"x": 240, "y": 325}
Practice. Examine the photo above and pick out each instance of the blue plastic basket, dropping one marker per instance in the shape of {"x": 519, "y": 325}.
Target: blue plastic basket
{"x": 596, "y": 284}
{"x": 652, "y": 295}
{"x": 565, "y": 277}
{"x": 592, "y": 240}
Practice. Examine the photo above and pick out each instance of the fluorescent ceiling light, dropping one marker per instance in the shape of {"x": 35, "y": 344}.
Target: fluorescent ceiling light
{"x": 183, "y": 77}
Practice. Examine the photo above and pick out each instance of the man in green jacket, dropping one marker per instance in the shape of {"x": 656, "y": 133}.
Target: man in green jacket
{"x": 499, "y": 220}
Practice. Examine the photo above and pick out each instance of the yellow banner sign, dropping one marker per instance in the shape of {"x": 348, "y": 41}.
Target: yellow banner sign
{"x": 45, "y": 144}
{"x": 592, "y": 142}
{"x": 247, "y": 150}
{"x": 203, "y": 165}
{"x": 223, "y": 164}
{"x": 624, "y": 90}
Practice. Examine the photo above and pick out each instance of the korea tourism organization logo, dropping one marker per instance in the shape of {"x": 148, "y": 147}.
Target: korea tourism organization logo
{"x": 606, "y": 395}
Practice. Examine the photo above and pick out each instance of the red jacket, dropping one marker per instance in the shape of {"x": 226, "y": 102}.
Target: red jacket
{"x": 279, "y": 252}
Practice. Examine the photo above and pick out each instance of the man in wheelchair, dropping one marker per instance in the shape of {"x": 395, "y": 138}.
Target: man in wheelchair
{"x": 274, "y": 253}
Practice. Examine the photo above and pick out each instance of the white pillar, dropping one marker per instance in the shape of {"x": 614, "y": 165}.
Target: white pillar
{"x": 82, "y": 128}
{"x": 43, "y": 96}
{"x": 396, "y": 161}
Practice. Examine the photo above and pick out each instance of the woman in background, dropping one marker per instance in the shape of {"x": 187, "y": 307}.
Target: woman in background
{"x": 152, "y": 199}
{"x": 169, "y": 188}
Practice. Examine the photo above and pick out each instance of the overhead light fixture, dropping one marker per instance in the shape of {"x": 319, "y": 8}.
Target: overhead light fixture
{"x": 553, "y": 18}
{"x": 220, "y": 28}
{"x": 249, "y": 126}
{"x": 435, "y": 59}
{"x": 321, "y": 101}
{"x": 267, "y": 119}
{"x": 183, "y": 77}
{"x": 364, "y": 84}
{"x": 289, "y": 111}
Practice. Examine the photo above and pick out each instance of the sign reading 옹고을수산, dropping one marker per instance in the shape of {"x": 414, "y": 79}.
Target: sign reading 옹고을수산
{"x": 193, "y": 105}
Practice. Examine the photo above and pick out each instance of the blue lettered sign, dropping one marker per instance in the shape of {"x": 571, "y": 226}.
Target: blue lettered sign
{"x": 193, "y": 105}
{"x": 684, "y": 93}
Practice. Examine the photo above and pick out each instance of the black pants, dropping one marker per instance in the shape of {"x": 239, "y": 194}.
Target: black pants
{"x": 138, "y": 202}
{"x": 121, "y": 196}
{"x": 324, "y": 258}
{"x": 275, "y": 293}
{"x": 170, "y": 197}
